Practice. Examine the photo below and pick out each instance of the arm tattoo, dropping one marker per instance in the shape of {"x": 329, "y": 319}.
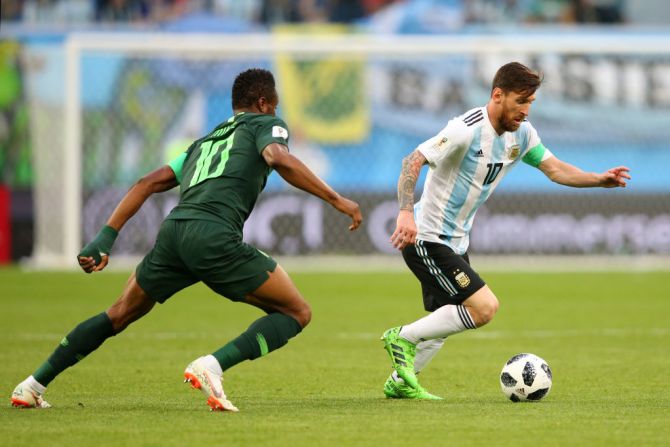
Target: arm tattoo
{"x": 409, "y": 174}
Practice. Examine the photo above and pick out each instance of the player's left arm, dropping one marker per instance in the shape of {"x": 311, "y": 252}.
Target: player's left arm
{"x": 159, "y": 180}
{"x": 566, "y": 174}
{"x": 295, "y": 172}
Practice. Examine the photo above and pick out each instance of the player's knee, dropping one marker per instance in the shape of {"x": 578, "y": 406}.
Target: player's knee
{"x": 484, "y": 308}
{"x": 303, "y": 315}
{"x": 487, "y": 310}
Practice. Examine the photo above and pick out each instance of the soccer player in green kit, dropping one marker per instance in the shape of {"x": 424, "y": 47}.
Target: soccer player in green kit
{"x": 221, "y": 176}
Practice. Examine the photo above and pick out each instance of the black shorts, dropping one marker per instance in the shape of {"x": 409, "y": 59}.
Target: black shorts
{"x": 446, "y": 277}
{"x": 188, "y": 251}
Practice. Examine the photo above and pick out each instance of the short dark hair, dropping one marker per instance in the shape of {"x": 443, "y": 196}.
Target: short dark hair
{"x": 516, "y": 77}
{"x": 252, "y": 84}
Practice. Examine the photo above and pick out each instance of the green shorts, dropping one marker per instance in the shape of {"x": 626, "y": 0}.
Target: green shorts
{"x": 188, "y": 251}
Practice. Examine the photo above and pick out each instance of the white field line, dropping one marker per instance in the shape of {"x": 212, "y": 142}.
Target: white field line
{"x": 477, "y": 334}
{"x": 364, "y": 264}
{"x": 482, "y": 263}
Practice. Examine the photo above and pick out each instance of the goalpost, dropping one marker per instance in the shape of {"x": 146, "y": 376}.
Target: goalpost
{"x": 355, "y": 104}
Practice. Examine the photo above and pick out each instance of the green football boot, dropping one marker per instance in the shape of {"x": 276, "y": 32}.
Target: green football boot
{"x": 396, "y": 390}
{"x": 402, "y": 353}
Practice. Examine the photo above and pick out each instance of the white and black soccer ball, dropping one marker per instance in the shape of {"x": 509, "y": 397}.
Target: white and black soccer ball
{"x": 525, "y": 377}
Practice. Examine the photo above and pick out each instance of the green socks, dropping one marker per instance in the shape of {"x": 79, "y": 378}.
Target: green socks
{"x": 83, "y": 340}
{"x": 264, "y": 335}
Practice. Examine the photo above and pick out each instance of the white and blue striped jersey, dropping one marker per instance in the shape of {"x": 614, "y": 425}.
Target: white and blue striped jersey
{"x": 467, "y": 160}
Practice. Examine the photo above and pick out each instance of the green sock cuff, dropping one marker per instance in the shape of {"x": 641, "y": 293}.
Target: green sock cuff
{"x": 106, "y": 323}
{"x": 293, "y": 322}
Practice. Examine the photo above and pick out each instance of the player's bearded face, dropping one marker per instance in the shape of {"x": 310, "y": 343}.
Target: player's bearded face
{"x": 515, "y": 109}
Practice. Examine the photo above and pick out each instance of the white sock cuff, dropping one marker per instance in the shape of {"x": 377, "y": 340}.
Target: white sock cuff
{"x": 465, "y": 317}
{"x": 34, "y": 384}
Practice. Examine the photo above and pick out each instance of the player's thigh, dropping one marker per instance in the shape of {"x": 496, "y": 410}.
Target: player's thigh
{"x": 279, "y": 294}
{"x": 163, "y": 272}
{"x": 226, "y": 264}
{"x": 446, "y": 277}
{"x": 241, "y": 272}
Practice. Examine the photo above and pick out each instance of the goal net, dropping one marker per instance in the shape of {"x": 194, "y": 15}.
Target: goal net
{"x": 355, "y": 106}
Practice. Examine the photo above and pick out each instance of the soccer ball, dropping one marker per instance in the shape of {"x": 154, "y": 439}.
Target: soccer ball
{"x": 525, "y": 377}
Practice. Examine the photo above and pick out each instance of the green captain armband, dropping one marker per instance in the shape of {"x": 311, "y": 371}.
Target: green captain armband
{"x": 177, "y": 164}
{"x": 534, "y": 156}
{"x": 100, "y": 245}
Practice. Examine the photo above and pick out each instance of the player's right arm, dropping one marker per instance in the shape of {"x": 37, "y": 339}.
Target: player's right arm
{"x": 430, "y": 152}
{"x": 95, "y": 255}
{"x": 405, "y": 231}
{"x": 299, "y": 175}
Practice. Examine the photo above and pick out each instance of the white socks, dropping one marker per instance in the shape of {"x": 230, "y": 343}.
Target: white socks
{"x": 35, "y": 385}
{"x": 444, "y": 321}
{"x": 425, "y": 351}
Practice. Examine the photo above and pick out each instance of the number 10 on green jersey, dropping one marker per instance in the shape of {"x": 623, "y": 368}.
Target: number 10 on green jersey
{"x": 208, "y": 151}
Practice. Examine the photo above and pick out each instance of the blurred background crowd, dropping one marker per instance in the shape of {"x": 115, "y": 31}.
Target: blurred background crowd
{"x": 265, "y": 13}
{"x": 605, "y": 101}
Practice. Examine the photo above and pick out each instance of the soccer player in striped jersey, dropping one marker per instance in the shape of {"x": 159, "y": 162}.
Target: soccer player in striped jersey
{"x": 467, "y": 160}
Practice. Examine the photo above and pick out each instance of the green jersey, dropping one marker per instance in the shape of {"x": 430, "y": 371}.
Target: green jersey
{"x": 222, "y": 174}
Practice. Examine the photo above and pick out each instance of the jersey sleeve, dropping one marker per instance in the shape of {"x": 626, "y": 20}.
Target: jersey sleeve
{"x": 536, "y": 153}
{"x": 273, "y": 130}
{"x": 448, "y": 140}
{"x": 177, "y": 165}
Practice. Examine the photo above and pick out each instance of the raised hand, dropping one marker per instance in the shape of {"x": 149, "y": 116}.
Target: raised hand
{"x": 615, "y": 177}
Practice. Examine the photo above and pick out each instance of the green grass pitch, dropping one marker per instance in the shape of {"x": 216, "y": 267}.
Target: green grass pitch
{"x": 605, "y": 335}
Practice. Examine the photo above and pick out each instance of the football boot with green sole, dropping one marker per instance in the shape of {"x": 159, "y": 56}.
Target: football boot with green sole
{"x": 399, "y": 390}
